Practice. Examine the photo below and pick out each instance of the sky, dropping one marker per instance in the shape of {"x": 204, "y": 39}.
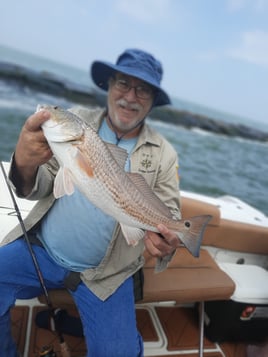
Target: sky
{"x": 214, "y": 52}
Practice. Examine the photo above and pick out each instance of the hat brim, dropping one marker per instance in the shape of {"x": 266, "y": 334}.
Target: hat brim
{"x": 101, "y": 72}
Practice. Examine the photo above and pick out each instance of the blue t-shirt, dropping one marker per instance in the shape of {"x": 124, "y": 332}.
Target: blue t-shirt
{"x": 74, "y": 232}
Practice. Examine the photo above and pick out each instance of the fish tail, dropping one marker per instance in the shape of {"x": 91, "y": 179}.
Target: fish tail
{"x": 192, "y": 233}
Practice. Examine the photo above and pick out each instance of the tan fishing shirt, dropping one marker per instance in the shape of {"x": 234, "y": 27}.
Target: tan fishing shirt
{"x": 155, "y": 159}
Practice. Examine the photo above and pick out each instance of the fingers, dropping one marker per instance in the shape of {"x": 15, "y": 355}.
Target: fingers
{"x": 157, "y": 245}
{"x": 152, "y": 247}
{"x": 34, "y": 122}
{"x": 169, "y": 236}
{"x": 161, "y": 244}
{"x": 32, "y": 149}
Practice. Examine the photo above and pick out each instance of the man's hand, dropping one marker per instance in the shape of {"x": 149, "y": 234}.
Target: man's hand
{"x": 160, "y": 245}
{"x": 32, "y": 150}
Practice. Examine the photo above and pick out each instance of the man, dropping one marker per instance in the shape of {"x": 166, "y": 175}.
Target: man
{"x": 71, "y": 235}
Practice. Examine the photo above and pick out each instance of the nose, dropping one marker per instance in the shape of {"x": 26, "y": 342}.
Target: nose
{"x": 131, "y": 95}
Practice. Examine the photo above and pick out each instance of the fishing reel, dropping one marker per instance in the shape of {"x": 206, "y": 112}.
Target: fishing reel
{"x": 47, "y": 351}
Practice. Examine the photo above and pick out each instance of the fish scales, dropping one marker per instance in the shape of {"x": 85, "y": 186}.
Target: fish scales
{"x": 97, "y": 170}
{"x": 124, "y": 194}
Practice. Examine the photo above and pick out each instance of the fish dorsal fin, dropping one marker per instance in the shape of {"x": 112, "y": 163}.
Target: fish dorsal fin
{"x": 120, "y": 155}
{"x": 63, "y": 183}
{"x": 132, "y": 235}
{"x": 148, "y": 194}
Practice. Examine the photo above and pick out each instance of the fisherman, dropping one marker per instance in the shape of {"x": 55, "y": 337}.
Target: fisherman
{"x": 76, "y": 245}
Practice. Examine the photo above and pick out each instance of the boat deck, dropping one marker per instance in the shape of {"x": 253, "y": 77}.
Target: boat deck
{"x": 166, "y": 330}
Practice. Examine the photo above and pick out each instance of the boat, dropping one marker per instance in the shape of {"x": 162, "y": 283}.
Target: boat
{"x": 172, "y": 316}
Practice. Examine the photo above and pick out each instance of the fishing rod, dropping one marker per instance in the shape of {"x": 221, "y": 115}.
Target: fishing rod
{"x": 64, "y": 349}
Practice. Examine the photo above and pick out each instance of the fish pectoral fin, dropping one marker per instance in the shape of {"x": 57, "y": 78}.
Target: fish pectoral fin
{"x": 131, "y": 234}
{"x": 63, "y": 184}
{"x": 83, "y": 163}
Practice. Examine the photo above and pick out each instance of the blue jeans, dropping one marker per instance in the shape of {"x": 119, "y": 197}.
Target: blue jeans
{"x": 109, "y": 326}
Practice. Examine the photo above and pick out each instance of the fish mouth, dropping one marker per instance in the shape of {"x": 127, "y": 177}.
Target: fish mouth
{"x": 48, "y": 123}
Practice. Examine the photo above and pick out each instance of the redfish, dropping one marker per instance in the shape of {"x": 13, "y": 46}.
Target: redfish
{"x": 96, "y": 168}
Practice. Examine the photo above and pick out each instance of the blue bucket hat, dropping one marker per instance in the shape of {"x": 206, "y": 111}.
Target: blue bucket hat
{"x": 134, "y": 63}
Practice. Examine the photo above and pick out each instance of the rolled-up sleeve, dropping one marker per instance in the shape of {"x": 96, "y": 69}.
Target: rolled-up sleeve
{"x": 44, "y": 180}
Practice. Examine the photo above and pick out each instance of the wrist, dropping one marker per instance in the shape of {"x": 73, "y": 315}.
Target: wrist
{"x": 22, "y": 176}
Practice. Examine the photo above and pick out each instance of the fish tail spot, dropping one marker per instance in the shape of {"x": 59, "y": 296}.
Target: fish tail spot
{"x": 187, "y": 224}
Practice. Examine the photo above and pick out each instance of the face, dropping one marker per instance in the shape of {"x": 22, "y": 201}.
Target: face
{"x": 129, "y": 101}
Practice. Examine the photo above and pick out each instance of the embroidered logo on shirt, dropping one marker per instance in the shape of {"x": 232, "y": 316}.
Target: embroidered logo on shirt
{"x": 146, "y": 163}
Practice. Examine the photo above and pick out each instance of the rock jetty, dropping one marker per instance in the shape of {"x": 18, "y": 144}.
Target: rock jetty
{"x": 48, "y": 82}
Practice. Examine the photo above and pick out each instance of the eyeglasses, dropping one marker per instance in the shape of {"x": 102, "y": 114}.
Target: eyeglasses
{"x": 142, "y": 91}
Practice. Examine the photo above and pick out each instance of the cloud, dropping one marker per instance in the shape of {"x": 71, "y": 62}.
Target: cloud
{"x": 253, "y": 48}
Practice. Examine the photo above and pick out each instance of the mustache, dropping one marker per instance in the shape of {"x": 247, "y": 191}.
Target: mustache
{"x": 124, "y": 103}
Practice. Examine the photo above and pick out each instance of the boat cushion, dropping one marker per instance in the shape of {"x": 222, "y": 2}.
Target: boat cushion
{"x": 191, "y": 207}
{"x": 187, "y": 279}
{"x": 240, "y": 237}
{"x": 225, "y": 233}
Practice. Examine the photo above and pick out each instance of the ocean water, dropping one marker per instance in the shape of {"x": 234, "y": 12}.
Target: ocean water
{"x": 210, "y": 164}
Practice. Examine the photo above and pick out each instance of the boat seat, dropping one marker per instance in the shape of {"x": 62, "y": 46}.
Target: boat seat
{"x": 186, "y": 280}
{"x": 236, "y": 236}
{"x": 192, "y": 207}
{"x": 224, "y": 233}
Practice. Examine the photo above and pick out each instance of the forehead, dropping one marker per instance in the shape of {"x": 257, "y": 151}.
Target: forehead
{"x": 120, "y": 75}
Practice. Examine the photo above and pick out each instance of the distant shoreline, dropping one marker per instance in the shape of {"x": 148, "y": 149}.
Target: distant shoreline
{"x": 50, "y": 83}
